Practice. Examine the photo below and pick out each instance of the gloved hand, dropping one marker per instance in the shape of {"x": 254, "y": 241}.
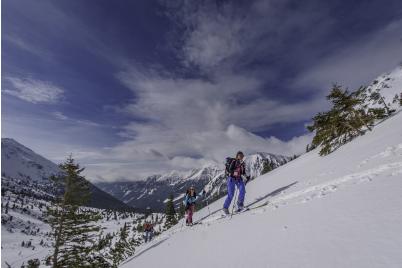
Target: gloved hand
{"x": 203, "y": 193}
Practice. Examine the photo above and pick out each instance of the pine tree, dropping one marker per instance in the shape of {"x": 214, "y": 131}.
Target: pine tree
{"x": 398, "y": 99}
{"x": 123, "y": 248}
{"x": 170, "y": 213}
{"x": 182, "y": 210}
{"x": 73, "y": 228}
{"x": 34, "y": 263}
{"x": 140, "y": 227}
{"x": 347, "y": 119}
{"x": 266, "y": 167}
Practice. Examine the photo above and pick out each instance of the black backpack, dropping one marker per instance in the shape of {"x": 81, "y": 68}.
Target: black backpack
{"x": 229, "y": 161}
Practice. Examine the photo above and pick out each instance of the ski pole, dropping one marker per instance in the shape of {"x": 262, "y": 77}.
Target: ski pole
{"x": 209, "y": 211}
{"x": 182, "y": 223}
{"x": 234, "y": 202}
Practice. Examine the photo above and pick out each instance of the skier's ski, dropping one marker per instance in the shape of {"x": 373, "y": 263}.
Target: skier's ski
{"x": 228, "y": 216}
{"x": 259, "y": 206}
{"x": 241, "y": 210}
{"x": 245, "y": 209}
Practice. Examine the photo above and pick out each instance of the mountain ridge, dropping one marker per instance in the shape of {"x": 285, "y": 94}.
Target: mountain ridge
{"x": 153, "y": 191}
{"x": 23, "y": 169}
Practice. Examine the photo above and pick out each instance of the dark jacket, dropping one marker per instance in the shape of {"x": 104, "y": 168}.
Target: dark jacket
{"x": 237, "y": 168}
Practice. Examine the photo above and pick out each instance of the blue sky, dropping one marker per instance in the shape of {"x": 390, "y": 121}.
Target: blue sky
{"x": 134, "y": 88}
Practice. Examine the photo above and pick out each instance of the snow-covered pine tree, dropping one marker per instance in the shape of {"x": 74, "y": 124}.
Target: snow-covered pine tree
{"x": 397, "y": 99}
{"x": 34, "y": 263}
{"x": 170, "y": 213}
{"x": 74, "y": 230}
{"x": 104, "y": 243}
{"x": 266, "y": 167}
{"x": 123, "y": 248}
{"x": 182, "y": 210}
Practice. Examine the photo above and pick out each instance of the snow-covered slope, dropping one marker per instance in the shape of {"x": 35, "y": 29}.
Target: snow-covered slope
{"x": 21, "y": 162}
{"x": 341, "y": 210}
{"x": 154, "y": 190}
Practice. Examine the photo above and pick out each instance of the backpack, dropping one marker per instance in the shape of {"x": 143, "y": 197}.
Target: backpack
{"x": 229, "y": 161}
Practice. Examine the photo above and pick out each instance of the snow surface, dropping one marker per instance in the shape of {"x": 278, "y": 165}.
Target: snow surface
{"x": 341, "y": 210}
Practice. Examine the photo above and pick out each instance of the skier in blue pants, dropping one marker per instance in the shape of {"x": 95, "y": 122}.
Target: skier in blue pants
{"x": 235, "y": 169}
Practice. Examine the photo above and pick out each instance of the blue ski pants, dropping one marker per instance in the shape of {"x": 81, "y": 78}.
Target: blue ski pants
{"x": 231, "y": 184}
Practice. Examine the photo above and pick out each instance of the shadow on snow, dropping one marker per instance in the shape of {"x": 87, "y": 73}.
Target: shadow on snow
{"x": 271, "y": 194}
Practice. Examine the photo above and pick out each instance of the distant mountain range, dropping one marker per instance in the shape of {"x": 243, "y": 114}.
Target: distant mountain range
{"x": 23, "y": 170}
{"x": 153, "y": 191}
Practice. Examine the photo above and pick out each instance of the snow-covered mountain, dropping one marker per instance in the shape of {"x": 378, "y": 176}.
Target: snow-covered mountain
{"x": 389, "y": 85}
{"x": 21, "y": 162}
{"x": 154, "y": 190}
{"x": 341, "y": 210}
{"x": 24, "y": 171}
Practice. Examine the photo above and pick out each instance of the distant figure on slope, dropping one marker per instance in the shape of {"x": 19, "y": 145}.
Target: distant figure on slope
{"x": 189, "y": 203}
{"x": 235, "y": 170}
{"x": 148, "y": 231}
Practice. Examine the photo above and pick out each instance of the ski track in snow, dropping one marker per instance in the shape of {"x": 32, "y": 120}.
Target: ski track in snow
{"x": 323, "y": 189}
{"x": 389, "y": 151}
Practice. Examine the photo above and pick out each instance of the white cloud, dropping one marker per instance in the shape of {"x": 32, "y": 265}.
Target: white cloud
{"x": 213, "y": 38}
{"x": 228, "y": 36}
{"x": 358, "y": 63}
{"x": 136, "y": 159}
{"x": 190, "y": 122}
{"x": 34, "y": 91}
{"x": 85, "y": 122}
{"x": 194, "y": 122}
{"x": 60, "y": 115}
{"x": 26, "y": 46}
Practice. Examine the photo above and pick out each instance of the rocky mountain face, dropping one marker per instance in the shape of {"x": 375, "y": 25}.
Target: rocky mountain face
{"x": 153, "y": 192}
{"x": 24, "y": 171}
